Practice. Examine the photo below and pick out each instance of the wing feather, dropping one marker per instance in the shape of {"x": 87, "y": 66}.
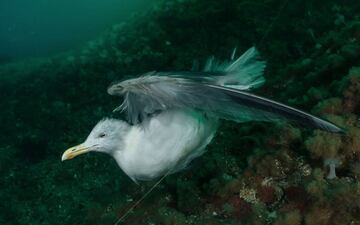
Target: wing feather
{"x": 150, "y": 94}
{"x": 219, "y": 91}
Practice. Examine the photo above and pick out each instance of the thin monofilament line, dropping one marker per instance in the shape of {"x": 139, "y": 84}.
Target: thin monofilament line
{"x": 268, "y": 30}
{"x": 142, "y": 198}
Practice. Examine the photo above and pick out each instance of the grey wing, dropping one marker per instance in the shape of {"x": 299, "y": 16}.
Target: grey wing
{"x": 220, "y": 91}
{"x": 152, "y": 93}
{"x": 161, "y": 91}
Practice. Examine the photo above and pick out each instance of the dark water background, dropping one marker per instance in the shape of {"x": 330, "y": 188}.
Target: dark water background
{"x": 58, "y": 58}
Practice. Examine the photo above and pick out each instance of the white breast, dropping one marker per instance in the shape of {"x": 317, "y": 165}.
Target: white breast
{"x": 168, "y": 141}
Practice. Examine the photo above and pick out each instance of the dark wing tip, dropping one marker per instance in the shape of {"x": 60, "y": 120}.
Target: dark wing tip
{"x": 283, "y": 111}
{"x": 327, "y": 126}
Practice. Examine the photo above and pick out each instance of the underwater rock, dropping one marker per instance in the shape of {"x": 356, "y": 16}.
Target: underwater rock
{"x": 317, "y": 94}
{"x": 352, "y": 142}
{"x": 354, "y": 30}
{"x": 188, "y": 196}
{"x": 318, "y": 216}
{"x": 239, "y": 208}
{"x": 297, "y": 199}
{"x": 350, "y": 51}
{"x": 336, "y": 61}
{"x": 249, "y": 195}
{"x": 323, "y": 144}
{"x": 290, "y": 218}
{"x": 267, "y": 195}
{"x": 329, "y": 106}
{"x": 289, "y": 135}
{"x": 352, "y": 93}
{"x": 55, "y": 98}
{"x": 355, "y": 170}
{"x": 317, "y": 185}
{"x": 168, "y": 216}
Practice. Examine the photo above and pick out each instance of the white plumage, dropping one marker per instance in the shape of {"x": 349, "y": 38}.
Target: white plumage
{"x": 169, "y": 141}
{"x": 173, "y": 116}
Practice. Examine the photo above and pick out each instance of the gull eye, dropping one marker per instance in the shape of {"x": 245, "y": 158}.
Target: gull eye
{"x": 101, "y": 135}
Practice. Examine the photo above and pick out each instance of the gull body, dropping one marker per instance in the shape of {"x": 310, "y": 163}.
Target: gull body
{"x": 173, "y": 116}
{"x": 167, "y": 142}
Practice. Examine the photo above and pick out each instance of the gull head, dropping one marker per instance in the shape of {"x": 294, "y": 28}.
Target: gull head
{"x": 106, "y": 136}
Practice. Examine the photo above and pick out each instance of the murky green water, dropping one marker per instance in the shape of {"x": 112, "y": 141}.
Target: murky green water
{"x": 58, "y": 59}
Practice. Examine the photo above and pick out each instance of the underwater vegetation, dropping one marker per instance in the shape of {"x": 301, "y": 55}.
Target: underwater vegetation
{"x": 253, "y": 173}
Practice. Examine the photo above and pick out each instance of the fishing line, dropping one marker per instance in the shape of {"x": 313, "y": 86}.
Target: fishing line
{"x": 268, "y": 30}
{"x": 142, "y": 198}
{"x": 148, "y": 192}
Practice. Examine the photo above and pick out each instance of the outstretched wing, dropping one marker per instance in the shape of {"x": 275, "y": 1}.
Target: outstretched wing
{"x": 220, "y": 91}
{"x": 152, "y": 93}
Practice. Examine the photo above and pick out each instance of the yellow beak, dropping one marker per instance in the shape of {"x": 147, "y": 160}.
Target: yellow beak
{"x": 74, "y": 151}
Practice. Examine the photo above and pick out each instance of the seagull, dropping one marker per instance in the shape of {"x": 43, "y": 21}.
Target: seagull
{"x": 173, "y": 116}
